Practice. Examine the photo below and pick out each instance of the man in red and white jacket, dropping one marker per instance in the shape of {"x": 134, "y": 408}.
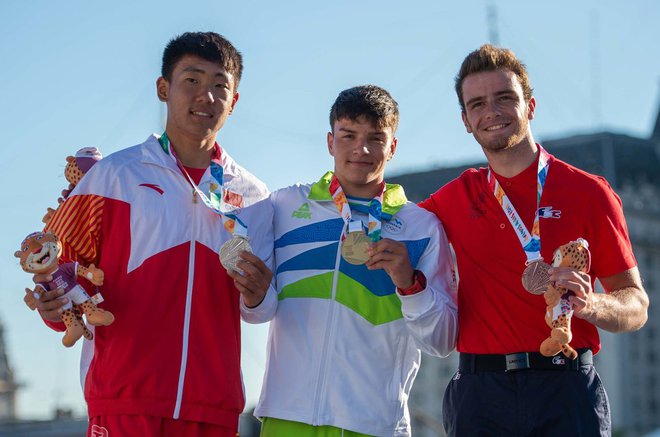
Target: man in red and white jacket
{"x": 170, "y": 363}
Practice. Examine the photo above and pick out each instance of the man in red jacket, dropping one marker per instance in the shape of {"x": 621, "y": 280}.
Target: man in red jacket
{"x": 153, "y": 217}
{"x": 503, "y": 218}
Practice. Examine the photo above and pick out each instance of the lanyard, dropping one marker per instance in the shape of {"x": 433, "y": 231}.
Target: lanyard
{"x": 375, "y": 211}
{"x": 214, "y": 198}
{"x": 530, "y": 242}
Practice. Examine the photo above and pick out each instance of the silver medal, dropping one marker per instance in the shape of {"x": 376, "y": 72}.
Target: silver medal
{"x": 231, "y": 250}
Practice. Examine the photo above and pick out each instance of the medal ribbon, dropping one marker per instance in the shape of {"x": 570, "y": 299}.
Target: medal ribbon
{"x": 375, "y": 211}
{"x": 214, "y": 198}
{"x": 530, "y": 242}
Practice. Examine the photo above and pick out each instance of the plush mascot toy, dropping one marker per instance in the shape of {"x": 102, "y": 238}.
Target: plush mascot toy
{"x": 559, "y": 310}
{"x": 40, "y": 253}
{"x": 76, "y": 167}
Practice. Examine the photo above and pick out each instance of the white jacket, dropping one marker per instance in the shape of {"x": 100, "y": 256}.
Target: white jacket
{"x": 344, "y": 347}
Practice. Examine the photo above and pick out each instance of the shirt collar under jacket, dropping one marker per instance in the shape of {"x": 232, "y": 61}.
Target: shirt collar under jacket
{"x": 393, "y": 199}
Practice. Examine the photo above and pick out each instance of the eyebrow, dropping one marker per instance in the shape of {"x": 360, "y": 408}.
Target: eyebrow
{"x": 497, "y": 94}
{"x": 200, "y": 71}
{"x": 372, "y": 133}
{"x": 473, "y": 100}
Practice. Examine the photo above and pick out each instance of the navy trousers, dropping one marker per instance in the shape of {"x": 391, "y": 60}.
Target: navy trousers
{"x": 527, "y": 403}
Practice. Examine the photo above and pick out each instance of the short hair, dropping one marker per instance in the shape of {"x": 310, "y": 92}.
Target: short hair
{"x": 491, "y": 58}
{"x": 207, "y": 45}
{"x": 369, "y": 102}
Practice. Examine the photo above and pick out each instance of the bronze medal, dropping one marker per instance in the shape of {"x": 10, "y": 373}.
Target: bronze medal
{"x": 535, "y": 278}
{"x": 355, "y": 248}
{"x": 231, "y": 250}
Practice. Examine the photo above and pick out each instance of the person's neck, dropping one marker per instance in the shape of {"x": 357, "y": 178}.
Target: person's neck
{"x": 192, "y": 152}
{"x": 513, "y": 160}
{"x": 362, "y": 191}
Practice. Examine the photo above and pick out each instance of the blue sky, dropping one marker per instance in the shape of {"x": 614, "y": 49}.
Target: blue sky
{"x": 80, "y": 73}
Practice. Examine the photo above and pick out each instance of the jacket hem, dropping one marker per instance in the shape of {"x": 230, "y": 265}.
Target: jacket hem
{"x": 156, "y": 408}
{"x": 356, "y": 425}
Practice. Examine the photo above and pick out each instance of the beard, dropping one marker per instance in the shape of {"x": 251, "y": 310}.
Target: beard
{"x": 504, "y": 142}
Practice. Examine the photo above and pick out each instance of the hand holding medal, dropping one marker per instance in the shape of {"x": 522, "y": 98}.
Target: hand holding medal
{"x": 254, "y": 279}
{"x": 392, "y": 256}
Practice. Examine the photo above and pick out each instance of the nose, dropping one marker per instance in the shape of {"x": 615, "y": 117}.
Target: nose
{"x": 206, "y": 96}
{"x": 362, "y": 147}
{"x": 36, "y": 250}
{"x": 493, "y": 110}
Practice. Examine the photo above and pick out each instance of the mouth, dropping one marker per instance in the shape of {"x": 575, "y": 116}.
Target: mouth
{"x": 43, "y": 259}
{"x": 496, "y": 127}
{"x": 202, "y": 114}
{"x": 360, "y": 163}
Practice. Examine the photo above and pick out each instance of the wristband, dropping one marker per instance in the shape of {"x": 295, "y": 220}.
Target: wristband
{"x": 419, "y": 284}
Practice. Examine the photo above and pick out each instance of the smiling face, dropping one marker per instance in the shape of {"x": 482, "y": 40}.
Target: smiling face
{"x": 360, "y": 150}
{"x": 200, "y": 96}
{"x": 39, "y": 253}
{"x": 496, "y": 112}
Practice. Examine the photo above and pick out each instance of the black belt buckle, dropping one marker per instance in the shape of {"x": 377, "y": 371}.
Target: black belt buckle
{"x": 519, "y": 361}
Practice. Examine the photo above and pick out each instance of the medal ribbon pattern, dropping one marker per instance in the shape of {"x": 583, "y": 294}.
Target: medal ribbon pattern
{"x": 530, "y": 242}
{"x": 375, "y": 211}
{"x": 214, "y": 198}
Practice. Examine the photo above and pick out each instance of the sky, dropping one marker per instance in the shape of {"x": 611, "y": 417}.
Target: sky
{"x": 79, "y": 73}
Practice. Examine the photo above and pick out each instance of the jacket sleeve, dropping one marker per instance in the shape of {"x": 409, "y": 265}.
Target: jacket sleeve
{"x": 432, "y": 314}
{"x": 260, "y": 229}
{"x": 77, "y": 223}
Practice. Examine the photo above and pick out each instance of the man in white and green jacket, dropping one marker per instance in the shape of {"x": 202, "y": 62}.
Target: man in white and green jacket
{"x": 364, "y": 281}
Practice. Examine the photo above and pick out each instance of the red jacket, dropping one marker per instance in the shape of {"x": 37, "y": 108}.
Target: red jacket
{"x": 174, "y": 348}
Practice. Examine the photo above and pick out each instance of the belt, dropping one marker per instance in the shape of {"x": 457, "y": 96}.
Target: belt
{"x": 473, "y": 363}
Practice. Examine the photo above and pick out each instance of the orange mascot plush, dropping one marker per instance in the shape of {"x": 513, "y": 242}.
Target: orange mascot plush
{"x": 40, "y": 254}
{"x": 76, "y": 167}
{"x": 559, "y": 310}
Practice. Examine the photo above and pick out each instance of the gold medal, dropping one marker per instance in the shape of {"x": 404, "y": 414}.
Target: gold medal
{"x": 231, "y": 250}
{"x": 535, "y": 278}
{"x": 355, "y": 248}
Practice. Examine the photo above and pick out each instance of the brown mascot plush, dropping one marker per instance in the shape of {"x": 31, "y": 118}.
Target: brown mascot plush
{"x": 76, "y": 167}
{"x": 40, "y": 253}
{"x": 559, "y": 310}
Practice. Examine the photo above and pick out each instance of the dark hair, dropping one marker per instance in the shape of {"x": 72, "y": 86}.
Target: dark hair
{"x": 491, "y": 58}
{"x": 366, "y": 101}
{"x": 207, "y": 45}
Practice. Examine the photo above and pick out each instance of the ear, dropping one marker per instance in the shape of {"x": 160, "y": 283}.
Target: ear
{"x": 331, "y": 141}
{"x": 17, "y": 254}
{"x": 233, "y": 102}
{"x": 531, "y": 106}
{"x": 466, "y": 123}
{"x": 70, "y": 159}
{"x": 392, "y": 150}
{"x": 162, "y": 89}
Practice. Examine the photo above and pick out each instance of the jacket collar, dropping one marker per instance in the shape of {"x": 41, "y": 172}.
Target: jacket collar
{"x": 152, "y": 153}
{"x": 393, "y": 199}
